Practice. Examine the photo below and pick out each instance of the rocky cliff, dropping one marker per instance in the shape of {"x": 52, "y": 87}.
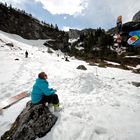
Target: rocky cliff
{"x": 136, "y": 17}
{"x": 18, "y": 22}
{"x": 74, "y": 33}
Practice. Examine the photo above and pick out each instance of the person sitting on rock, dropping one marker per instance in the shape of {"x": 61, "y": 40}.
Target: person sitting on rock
{"x": 42, "y": 94}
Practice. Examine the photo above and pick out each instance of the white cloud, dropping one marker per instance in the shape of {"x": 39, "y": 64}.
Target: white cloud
{"x": 71, "y": 7}
{"x": 87, "y": 13}
{"x": 93, "y": 13}
{"x": 106, "y": 11}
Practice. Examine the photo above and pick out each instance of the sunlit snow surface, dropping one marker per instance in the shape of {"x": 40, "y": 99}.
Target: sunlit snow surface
{"x": 99, "y": 103}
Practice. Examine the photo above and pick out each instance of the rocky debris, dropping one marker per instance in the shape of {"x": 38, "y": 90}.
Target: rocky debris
{"x": 16, "y": 59}
{"x": 130, "y": 60}
{"x": 74, "y": 33}
{"x": 59, "y": 41}
{"x": 81, "y": 67}
{"x": 33, "y": 122}
{"x": 102, "y": 65}
{"x": 136, "y": 71}
{"x": 92, "y": 64}
{"x": 137, "y": 84}
{"x": 9, "y": 44}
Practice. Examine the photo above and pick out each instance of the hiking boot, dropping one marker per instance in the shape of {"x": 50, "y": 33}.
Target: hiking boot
{"x": 57, "y": 107}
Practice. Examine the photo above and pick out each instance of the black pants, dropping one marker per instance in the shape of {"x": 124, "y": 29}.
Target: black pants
{"x": 50, "y": 99}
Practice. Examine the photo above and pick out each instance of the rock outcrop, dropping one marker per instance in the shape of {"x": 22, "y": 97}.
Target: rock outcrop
{"x": 137, "y": 84}
{"x": 136, "y": 71}
{"x": 136, "y": 17}
{"x": 74, "y": 33}
{"x": 81, "y": 67}
{"x": 131, "y": 26}
{"x": 34, "y": 121}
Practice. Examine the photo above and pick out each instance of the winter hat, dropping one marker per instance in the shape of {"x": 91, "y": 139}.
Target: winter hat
{"x": 42, "y": 75}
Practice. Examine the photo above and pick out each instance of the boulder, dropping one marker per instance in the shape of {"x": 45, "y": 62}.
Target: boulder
{"x": 35, "y": 121}
{"x": 136, "y": 17}
{"x": 137, "y": 84}
{"x": 16, "y": 59}
{"x": 136, "y": 71}
{"x": 10, "y": 44}
{"x": 81, "y": 67}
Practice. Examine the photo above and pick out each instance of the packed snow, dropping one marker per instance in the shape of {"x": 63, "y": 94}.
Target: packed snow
{"x": 99, "y": 103}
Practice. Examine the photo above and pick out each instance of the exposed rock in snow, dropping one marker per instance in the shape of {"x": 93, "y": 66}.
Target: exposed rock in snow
{"x": 136, "y": 70}
{"x": 81, "y": 67}
{"x": 34, "y": 121}
{"x": 137, "y": 84}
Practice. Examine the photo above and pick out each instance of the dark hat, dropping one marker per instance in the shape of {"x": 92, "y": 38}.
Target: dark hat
{"x": 42, "y": 75}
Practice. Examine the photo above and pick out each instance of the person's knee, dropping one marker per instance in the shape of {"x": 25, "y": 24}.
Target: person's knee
{"x": 55, "y": 95}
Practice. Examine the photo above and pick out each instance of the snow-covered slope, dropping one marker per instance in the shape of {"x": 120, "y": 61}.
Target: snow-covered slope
{"x": 99, "y": 104}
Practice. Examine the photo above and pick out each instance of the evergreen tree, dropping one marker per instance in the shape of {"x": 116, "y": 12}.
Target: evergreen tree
{"x": 52, "y": 26}
{"x": 90, "y": 43}
{"x": 56, "y": 27}
{"x": 5, "y": 4}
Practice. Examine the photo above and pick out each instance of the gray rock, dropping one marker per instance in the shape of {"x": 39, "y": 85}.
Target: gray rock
{"x": 136, "y": 71}
{"x": 10, "y": 44}
{"x": 16, "y": 59}
{"x": 81, "y": 67}
{"x": 34, "y": 121}
{"x": 137, "y": 84}
{"x": 136, "y": 17}
{"x": 92, "y": 64}
{"x": 74, "y": 33}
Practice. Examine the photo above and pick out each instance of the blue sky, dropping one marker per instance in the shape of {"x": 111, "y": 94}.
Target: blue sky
{"x": 79, "y": 14}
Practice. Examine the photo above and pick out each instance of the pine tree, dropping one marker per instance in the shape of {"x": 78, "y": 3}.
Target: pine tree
{"x": 56, "y": 27}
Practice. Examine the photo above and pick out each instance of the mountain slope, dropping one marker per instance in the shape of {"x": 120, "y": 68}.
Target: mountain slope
{"x": 18, "y": 22}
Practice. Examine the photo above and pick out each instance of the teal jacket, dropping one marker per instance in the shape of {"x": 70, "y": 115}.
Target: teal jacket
{"x": 40, "y": 88}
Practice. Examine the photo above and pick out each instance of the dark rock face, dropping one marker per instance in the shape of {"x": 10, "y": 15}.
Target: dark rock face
{"x": 23, "y": 24}
{"x": 137, "y": 84}
{"x": 34, "y": 121}
{"x": 81, "y": 67}
{"x": 59, "y": 42}
{"x": 74, "y": 33}
{"x": 131, "y": 26}
{"x": 136, "y": 17}
{"x": 13, "y": 21}
{"x": 131, "y": 60}
{"x": 136, "y": 71}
